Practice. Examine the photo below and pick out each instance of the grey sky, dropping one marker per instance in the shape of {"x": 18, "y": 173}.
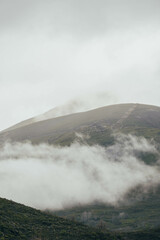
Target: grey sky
{"x": 54, "y": 51}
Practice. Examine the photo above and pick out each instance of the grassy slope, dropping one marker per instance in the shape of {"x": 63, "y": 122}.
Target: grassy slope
{"x": 145, "y": 234}
{"x": 20, "y": 222}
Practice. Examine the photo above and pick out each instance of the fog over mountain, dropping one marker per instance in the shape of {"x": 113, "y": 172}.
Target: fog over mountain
{"x": 81, "y": 158}
{"x": 50, "y": 177}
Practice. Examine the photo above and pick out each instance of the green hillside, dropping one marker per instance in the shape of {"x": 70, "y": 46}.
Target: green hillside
{"x": 18, "y": 222}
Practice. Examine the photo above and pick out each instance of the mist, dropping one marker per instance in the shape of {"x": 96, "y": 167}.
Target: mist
{"x": 54, "y": 51}
{"x": 54, "y": 177}
{"x": 81, "y": 103}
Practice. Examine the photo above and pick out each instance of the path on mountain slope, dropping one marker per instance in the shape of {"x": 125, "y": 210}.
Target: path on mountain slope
{"x": 118, "y": 124}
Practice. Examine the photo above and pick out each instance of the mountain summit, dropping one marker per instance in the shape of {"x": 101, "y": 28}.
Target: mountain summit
{"x": 97, "y": 124}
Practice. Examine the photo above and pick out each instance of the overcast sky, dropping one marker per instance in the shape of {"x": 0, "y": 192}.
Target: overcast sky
{"x": 53, "y": 51}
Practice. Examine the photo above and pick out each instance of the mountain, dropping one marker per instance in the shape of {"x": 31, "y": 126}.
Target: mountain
{"x": 98, "y": 124}
{"x": 143, "y": 210}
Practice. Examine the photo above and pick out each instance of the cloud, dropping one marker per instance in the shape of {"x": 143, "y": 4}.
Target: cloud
{"x": 54, "y": 51}
{"x": 52, "y": 177}
{"x": 81, "y": 19}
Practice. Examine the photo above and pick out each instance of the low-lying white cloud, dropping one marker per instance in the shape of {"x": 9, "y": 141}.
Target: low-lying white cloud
{"x": 55, "y": 177}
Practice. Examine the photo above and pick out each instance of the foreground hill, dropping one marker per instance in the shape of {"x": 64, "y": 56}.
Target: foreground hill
{"x": 18, "y": 222}
{"x": 98, "y": 124}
